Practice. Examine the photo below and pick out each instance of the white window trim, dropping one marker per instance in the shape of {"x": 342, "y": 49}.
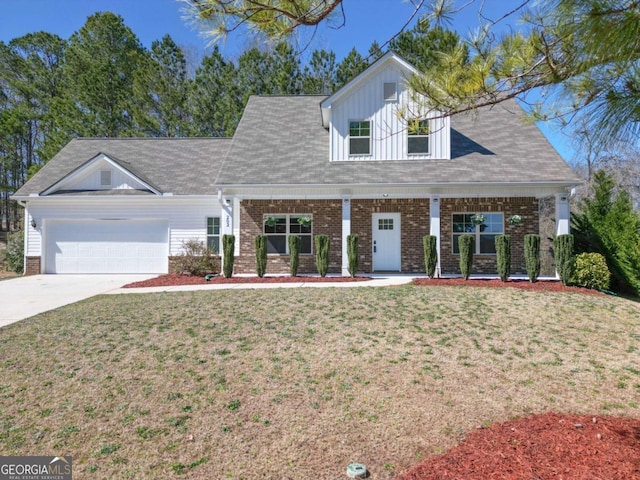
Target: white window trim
{"x": 477, "y": 234}
{"x": 288, "y": 233}
{"x": 427, "y": 136}
{"x": 350, "y": 137}
{"x": 213, "y": 235}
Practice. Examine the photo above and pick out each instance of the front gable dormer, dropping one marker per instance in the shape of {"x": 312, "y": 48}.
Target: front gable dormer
{"x": 101, "y": 173}
{"x": 373, "y": 118}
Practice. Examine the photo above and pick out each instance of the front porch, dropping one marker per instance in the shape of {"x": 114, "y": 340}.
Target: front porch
{"x": 412, "y": 217}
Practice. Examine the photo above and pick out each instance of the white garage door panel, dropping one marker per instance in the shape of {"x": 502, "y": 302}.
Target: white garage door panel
{"x": 106, "y": 246}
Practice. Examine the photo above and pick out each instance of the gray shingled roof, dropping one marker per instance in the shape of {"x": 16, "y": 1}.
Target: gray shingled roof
{"x": 280, "y": 140}
{"x": 184, "y": 166}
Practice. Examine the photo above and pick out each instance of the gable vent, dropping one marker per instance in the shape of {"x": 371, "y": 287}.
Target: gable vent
{"x": 390, "y": 92}
{"x": 105, "y": 178}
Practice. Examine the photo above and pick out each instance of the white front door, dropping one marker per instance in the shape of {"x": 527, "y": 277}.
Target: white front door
{"x": 386, "y": 242}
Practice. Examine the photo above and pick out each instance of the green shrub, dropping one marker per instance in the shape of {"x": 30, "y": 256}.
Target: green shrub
{"x": 608, "y": 223}
{"x": 196, "y": 259}
{"x": 563, "y": 255}
{"x": 503, "y": 256}
{"x": 465, "y": 245}
{"x": 260, "y": 243}
{"x": 14, "y": 253}
{"x": 430, "y": 247}
{"x": 352, "y": 254}
{"x": 591, "y": 271}
{"x": 228, "y": 247}
{"x": 321, "y": 243}
{"x": 294, "y": 254}
{"x": 532, "y": 256}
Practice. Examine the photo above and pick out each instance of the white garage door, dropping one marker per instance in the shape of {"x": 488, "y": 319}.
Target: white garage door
{"x": 106, "y": 246}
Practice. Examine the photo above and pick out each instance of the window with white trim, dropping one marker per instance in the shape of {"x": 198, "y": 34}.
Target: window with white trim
{"x": 213, "y": 234}
{"x": 418, "y": 137}
{"x": 359, "y": 137}
{"x": 485, "y": 233}
{"x": 278, "y": 229}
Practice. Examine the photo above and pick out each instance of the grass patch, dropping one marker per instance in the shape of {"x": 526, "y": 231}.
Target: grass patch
{"x": 299, "y": 383}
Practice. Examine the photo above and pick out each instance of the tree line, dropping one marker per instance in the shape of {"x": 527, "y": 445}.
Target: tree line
{"x": 102, "y": 82}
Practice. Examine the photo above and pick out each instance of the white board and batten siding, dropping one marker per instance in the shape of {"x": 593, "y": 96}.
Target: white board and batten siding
{"x": 185, "y": 219}
{"x": 388, "y": 128}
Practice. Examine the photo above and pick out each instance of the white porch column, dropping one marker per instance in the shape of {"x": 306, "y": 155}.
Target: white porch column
{"x": 434, "y": 227}
{"x": 563, "y": 214}
{"x": 226, "y": 223}
{"x": 346, "y": 231}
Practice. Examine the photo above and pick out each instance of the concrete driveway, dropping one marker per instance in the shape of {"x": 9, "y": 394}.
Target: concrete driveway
{"x": 24, "y": 297}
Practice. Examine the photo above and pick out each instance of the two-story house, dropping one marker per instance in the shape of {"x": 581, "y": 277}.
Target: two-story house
{"x": 365, "y": 160}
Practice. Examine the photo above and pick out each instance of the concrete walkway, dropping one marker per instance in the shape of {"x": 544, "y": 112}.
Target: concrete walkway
{"x": 377, "y": 281}
{"x": 23, "y": 297}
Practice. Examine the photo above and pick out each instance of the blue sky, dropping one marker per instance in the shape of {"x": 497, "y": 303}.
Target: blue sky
{"x": 366, "y": 21}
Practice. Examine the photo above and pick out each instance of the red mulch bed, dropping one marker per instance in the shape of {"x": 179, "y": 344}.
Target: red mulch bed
{"x": 177, "y": 279}
{"x": 542, "y": 447}
{"x": 524, "y": 284}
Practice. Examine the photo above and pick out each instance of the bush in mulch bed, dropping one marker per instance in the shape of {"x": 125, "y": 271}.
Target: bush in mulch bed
{"x": 523, "y": 284}
{"x": 545, "y": 447}
{"x": 177, "y": 279}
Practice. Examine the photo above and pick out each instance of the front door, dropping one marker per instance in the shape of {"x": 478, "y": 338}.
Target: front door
{"x": 386, "y": 242}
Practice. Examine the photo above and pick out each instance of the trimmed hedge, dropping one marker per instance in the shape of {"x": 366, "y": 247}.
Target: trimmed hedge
{"x": 503, "y": 256}
{"x": 228, "y": 246}
{"x": 321, "y": 242}
{"x": 591, "y": 271}
{"x": 294, "y": 254}
{"x": 466, "y": 244}
{"x": 429, "y": 245}
{"x": 532, "y": 256}
{"x": 352, "y": 254}
{"x": 260, "y": 242}
{"x": 563, "y": 255}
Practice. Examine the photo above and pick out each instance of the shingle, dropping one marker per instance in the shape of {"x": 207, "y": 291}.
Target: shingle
{"x": 280, "y": 140}
{"x": 184, "y": 166}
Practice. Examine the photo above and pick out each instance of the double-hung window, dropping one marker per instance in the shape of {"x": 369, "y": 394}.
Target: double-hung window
{"x": 418, "y": 137}
{"x": 359, "y": 137}
{"x": 278, "y": 229}
{"x": 484, "y": 233}
{"x": 213, "y": 234}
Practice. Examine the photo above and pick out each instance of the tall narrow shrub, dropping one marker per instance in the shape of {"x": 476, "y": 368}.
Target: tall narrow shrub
{"x": 352, "y": 254}
{"x": 503, "y": 256}
{"x": 465, "y": 245}
{"x": 321, "y": 243}
{"x": 429, "y": 245}
{"x": 228, "y": 246}
{"x": 260, "y": 243}
{"x": 294, "y": 254}
{"x": 532, "y": 256}
{"x": 563, "y": 255}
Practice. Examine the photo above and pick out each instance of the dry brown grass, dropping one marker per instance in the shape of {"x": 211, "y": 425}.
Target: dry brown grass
{"x": 297, "y": 384}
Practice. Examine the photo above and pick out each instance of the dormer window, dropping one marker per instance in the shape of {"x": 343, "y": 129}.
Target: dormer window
{"x": 105, "y": 178}
{"x": 390, "y": 91}
{"x": 418, "y": 137}
{"x": 359, "y": 137}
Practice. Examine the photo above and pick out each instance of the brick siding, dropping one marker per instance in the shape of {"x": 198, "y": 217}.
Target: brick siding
{"x": 526, "y": 207}
{"x": 327, "y": 220}
{"x": 32, "y": 266}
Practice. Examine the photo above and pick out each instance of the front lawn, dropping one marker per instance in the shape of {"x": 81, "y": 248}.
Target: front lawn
{"x": 277, "y": 384}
